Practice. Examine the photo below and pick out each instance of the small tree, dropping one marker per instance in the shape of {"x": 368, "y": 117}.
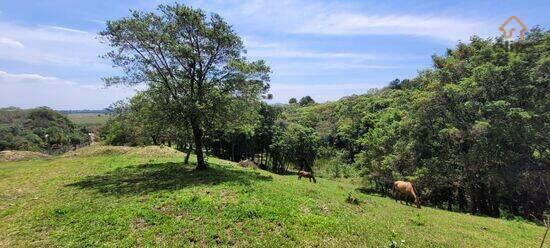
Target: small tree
{"x": 306, "y": 100}
{"x": 192, "y": 64}
{"x": 292, "y": 101}
{"x": 303, "y": 144}
{"x": 395, "y": 84}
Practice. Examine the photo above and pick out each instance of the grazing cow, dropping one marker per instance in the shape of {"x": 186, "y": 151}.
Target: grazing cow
{"x": 405, "y": 191}
{"x": 306, "y": 174}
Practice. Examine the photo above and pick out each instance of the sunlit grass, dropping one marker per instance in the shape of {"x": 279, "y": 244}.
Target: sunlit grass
{"x": 132, "y": 198}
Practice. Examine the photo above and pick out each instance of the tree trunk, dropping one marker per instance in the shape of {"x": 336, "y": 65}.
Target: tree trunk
{"x": 461, "y": 200}
{"x": 475, "y": 200}
{"x": 197, "y": 136}
{"x": 189, "y": 149}
{"x": 494, "y": 203}
{"x": 233, "y": 151}
{"x": 483, "y": 201}
{"x": 450, "y": 200}
{"x": 267, "y": 159}
{"x": 262, "y": 159}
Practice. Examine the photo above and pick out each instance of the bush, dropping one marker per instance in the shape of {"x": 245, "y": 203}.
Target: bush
{"x": 27, "y": 130}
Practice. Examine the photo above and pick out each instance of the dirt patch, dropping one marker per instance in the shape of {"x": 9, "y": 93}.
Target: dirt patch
{"x": 248, "y": 164}
{"x": 94, "y": 150}
{"x": 324, "y": 209}
{"x": 138, "y": 223}
{"x": 154, "y": 151}
{"x": 304, "y": 209}
{"x": 9, "y": 156}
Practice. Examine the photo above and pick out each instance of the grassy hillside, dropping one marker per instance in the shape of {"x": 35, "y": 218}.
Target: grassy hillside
{"x": 117, "y": 196}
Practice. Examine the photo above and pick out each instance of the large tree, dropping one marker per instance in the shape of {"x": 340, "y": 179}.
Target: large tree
{"x": 192, "y": 63}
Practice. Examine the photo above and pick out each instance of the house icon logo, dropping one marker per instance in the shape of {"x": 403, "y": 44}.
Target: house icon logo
{"x": 507, "y": 28}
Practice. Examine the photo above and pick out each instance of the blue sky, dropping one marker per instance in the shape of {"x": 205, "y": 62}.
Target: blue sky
{"x": 326, "y": 49}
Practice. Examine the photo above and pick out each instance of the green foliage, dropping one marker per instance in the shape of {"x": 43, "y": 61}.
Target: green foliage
{"x": 470, "y": 133}
{"x": 302, "y": 144}
{"x": 141, "y": 122}
{"x": 331, "y": 163}
{"x": 40, "y": 129}
{"x": 418, "y": 220}
{"x": 296, "y": 144}
{"x": 193, "y": 66}
{"x": 305, "y": 101}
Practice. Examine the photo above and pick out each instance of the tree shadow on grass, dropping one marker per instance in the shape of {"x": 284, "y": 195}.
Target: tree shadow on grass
{"x": 147, "y": 178}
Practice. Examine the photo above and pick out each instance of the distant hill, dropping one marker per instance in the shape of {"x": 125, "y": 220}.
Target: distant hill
{"x": 40, "y": 129}
{"x": 84, "y": 111}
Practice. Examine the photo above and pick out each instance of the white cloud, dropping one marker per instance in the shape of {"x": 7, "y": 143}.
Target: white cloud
{"x": 361, "y": 24}
{"x": 10, "y": 43}
{"x": 24, "y": 77}
{"x": 64, "y": 29}
{"x": 32, "y": 90}
{"x": 258, "y": 48}
{"x": 347, "y": 18}
{"x": 50, "y": 45}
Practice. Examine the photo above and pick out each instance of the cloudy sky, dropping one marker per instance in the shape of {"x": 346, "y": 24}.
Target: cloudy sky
{"x": 327, "y": 49}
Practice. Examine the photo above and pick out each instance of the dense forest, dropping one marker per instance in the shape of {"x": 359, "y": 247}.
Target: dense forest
{"x": 40, "y": 129}
{"x": 471, "y": 132}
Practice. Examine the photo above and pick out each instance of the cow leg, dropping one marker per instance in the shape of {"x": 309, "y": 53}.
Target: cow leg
{"x": 310, "y": 179}
{"x": 299, "y": 177}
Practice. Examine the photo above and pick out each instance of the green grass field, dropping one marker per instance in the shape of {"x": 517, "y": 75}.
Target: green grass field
{"x": 145, "y": 197}
{"x": 88, "y": 118}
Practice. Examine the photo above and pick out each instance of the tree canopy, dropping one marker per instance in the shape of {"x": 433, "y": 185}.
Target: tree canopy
{"x": 306, "y": 100}
{"x": 192, "y": 63}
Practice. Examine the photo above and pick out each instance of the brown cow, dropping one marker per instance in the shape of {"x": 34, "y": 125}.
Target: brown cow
{"x": 307, "y": 175}
{"x": 405, "y": 191}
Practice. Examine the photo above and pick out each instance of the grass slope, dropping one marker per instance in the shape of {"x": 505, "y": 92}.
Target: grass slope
{"x": 145, "y": 197}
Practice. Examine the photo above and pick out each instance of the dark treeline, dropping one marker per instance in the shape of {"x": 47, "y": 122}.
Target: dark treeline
{"x": 471, "y": 132}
